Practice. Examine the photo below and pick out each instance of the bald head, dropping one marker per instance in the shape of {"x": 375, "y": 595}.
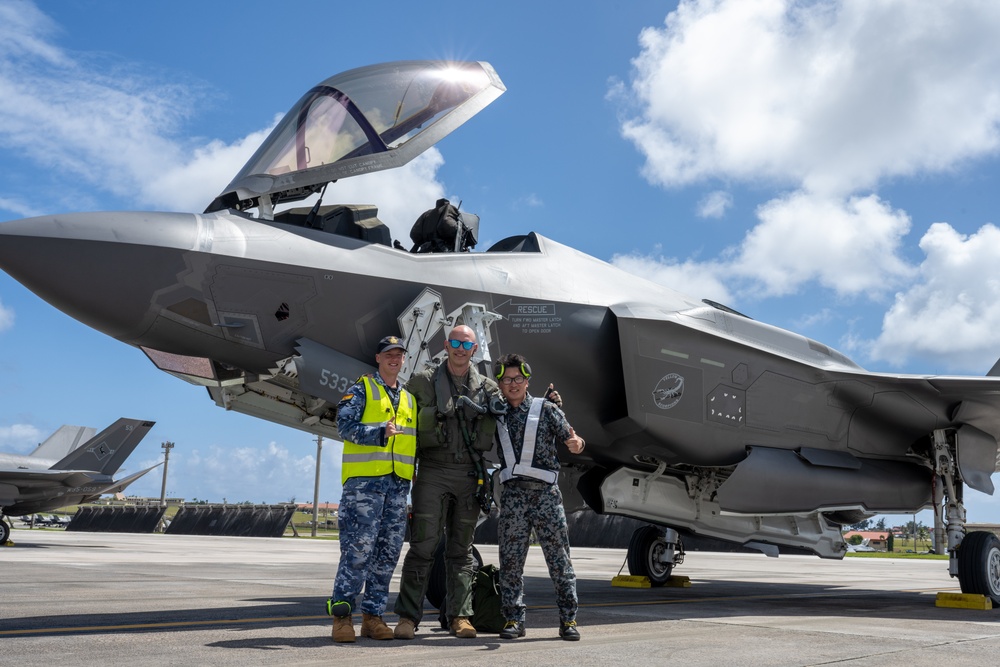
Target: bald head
{"x": 462, "y": 332}
{"x": 460, "y": 346}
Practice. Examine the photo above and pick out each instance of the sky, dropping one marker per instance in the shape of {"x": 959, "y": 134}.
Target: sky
{"x": 828, "y": 167}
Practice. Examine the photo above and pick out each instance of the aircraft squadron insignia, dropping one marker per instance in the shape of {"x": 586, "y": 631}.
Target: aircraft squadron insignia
{"x": 102, "y": 451}
{"x": 668, "y": 391}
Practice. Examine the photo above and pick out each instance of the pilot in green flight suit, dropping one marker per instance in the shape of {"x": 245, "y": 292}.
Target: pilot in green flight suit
{"x": 452, "y": 436}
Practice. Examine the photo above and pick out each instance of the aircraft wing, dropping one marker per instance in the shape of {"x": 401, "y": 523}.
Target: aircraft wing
{"x": 42, "y": 490}
{"x": 969, "y": 404}
{"x": 43, "y": 477}
{"x": 34, "y": 480}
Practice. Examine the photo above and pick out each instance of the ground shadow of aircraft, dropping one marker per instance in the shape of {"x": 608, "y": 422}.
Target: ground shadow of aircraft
{"x": 37, "y": 483}
{"x": 699, "y": 419}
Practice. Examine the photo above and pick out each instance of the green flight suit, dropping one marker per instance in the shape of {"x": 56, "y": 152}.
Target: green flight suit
{"x": 444, "y": 488}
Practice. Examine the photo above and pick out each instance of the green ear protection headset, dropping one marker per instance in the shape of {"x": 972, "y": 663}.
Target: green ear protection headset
{"x": 525, "y": 370}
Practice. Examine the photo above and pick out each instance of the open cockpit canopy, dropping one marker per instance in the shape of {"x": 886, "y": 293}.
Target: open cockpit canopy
{"x": 361, "y": 121}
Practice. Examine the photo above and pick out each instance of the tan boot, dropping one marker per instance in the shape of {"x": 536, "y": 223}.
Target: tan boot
{"x": 461, "y": 628}
{"x": 404, "y": 629}
{"x": 343, "y": 629}
{"x": 374, "y": 627}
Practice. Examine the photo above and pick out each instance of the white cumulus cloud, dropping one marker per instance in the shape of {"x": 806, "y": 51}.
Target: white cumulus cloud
{"x": 833, "y": 96}
{"x": 952, "y": 312}
{"x": 121, "y": 131}
{"x": 20, "y": 438}
{"x": 828, "y": 101}
{"x": 246, "y": 473}
{"x": 848, "y": 246}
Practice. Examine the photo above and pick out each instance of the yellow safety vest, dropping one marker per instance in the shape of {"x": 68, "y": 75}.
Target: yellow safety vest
{"x": 399, "y": 454}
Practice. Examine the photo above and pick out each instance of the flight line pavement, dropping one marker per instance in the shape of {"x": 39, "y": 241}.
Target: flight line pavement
{"x": 71, "y": 598}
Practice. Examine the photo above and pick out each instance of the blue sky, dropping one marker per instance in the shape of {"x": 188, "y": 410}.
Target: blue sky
{"x": 827, "y": 167}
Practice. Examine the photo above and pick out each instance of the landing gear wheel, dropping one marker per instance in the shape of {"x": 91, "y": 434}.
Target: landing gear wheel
{"x": 644, "y": 551}
{"x": 437, "y": 579}
{"x": 4, "y": 531}
{"x": 979, "y": 565}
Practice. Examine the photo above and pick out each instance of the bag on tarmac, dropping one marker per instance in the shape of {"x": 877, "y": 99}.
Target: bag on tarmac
{"x": 486, "y": 610}
{"x": 486, "y": 613}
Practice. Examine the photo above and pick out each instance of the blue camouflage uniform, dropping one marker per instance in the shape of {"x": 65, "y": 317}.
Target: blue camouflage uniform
{"x": 531, "y": 499}
{"x": 372, "y": 515}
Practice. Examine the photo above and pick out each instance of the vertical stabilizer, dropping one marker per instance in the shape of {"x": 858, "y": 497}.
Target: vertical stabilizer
{"x": 62, "y": 442}
{"x": 107, "y": 451}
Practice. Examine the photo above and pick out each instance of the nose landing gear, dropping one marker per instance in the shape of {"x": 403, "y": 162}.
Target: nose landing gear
{"x": 653, "y": 552}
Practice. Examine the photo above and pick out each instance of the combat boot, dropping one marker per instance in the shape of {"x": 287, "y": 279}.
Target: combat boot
{"x": 404, "y": 629}
{"x": 374, "y": 627}
{"x": 512, "y": 630}
{"x": 343, "y": 629}
{"x": 569, "y": 632}
{"x": 461, "y": 628}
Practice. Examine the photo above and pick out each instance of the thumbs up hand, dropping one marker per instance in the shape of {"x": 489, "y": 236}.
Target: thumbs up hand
{"x": 574, "y": 443}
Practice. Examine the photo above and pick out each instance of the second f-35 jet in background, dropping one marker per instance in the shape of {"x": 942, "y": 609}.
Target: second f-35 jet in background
{"x": 85, "y": 472}
{"x": 698, "y": 419}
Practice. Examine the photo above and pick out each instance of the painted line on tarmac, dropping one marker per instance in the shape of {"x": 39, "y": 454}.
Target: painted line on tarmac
{"x": 157, "y": 626}
{"x": 763, "y": 596}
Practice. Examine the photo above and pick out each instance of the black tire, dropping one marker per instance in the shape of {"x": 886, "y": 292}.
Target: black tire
{"x": 644, "y": 550}
{"x": 4, "y": 531}
{"x": 437, "y": 582}
{"x": 979, "y": 565}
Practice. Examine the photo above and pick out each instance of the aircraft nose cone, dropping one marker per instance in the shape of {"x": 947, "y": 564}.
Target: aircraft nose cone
{"x": 100, "y": 268}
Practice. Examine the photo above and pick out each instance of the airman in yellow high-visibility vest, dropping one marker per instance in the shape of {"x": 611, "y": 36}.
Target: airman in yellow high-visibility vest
{"x": 399, "y": 453}
{"x": 377, "y": 419}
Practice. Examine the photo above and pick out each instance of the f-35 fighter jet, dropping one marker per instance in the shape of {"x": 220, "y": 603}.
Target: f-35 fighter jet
{"x": 699, "y": 419}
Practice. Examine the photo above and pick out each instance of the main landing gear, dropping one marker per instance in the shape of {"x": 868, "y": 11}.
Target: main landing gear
{"x": 975, "y": 556}
{"x": 979, "y": 565}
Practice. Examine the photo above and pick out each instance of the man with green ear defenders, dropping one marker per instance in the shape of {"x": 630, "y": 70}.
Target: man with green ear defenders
{"x": 528, "y": 434}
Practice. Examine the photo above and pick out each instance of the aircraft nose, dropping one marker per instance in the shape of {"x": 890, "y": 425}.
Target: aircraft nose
{"x": 100, "y": 268}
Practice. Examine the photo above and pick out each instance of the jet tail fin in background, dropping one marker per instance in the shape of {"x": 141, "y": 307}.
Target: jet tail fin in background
{"x": 63, "y": 441}
{"x": 106, "y": 452}
{"x": 995, "y": 371}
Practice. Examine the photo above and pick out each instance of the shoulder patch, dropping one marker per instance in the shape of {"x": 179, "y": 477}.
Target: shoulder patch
{"x": 347, "y": 397}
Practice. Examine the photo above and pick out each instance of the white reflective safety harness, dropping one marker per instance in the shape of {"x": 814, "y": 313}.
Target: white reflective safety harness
{"x": 524, "y": 467}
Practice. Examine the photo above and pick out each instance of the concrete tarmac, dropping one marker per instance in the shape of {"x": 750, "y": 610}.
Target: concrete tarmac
{"x": 69, "y": 598}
